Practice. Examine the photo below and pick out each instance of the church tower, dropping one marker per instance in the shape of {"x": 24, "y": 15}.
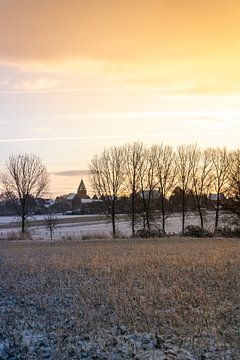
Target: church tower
{"x": 82, "y": 191}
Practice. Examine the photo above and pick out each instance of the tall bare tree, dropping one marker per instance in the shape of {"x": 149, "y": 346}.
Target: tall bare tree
{"x": 107, "y": 177}
{"x": 184, "y": 161}
{"x": 233, "y": 204}
{"x": 148, "y": 182}
{"x": 202, "y": 175}
{"x": 221, "y": 185}
{"x": 133, "y": 155}
{"x": 234, "y": 172}
{"x": 24, "y": 182}
{"x": 165, "y": 171}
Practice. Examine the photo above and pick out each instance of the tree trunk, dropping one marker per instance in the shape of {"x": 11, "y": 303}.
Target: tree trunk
{"x": 146, "y": 210}
{"x": 148, "y": 222}
{"x": 183, "y": 212}
{"x": 201, "y": 218}
{"x": 133, "y": 212}
{"x": 200, "y": 211}
{"x": 23, "y": 224}
{"x": 144, "y": 222}
{"x": 217, "y": 212}
{"x": 113, "y": 225}
{"x": 163, "y": 214}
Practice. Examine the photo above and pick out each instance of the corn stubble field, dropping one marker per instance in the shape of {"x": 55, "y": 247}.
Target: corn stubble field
{"x": 125, "y": 299}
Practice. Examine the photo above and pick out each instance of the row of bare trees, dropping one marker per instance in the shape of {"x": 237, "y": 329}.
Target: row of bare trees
{"x": 138, "y": 171}
{"x": 135, "y": 169}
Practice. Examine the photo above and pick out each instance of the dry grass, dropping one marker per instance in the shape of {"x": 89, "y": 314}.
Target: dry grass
{"x": 182, "y": 289}
{"x": 18, "y": 235}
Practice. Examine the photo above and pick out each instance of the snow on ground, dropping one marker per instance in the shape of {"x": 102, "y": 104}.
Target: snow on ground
{"x": 13, "y": 219}
{"x": 100, "y": 228}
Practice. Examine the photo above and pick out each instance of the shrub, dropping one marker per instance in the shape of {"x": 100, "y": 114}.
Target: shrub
{"x": 12, "y": 235}
{"x": 197, "y": 231}
{"x": 143, "y": 233}
{"x": 236, "y": 232}
{"x": 17, "y": 235}
{"x": 224, "y": 231}
{"x": 94, "y": 236}
{"x": 228, "y": 232}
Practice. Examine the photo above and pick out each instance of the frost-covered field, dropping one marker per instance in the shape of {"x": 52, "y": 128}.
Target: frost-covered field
{"x": 125, "y": 299}
{"x": 91, "y": 225}
{"x": 14, "y": 219}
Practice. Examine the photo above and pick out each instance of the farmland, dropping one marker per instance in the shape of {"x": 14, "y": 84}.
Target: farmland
{"x": 172, "y": 298}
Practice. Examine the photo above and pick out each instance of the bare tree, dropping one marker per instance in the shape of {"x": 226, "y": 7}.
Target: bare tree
{"x": 184, "y": 161}
{"x": 51, "y": 222}
{"x": 233, "y": 203}
{"x": 221, "y": 185}
{"x": 165, "y": 171}
{"x": 133, "y": 155}
{"x": 148, "y": 182}
{"x": 234, "y": 172}
{"x": 201, "y": 178}
{"x": 107, "y": 177}
{"x": 25, "y": 181}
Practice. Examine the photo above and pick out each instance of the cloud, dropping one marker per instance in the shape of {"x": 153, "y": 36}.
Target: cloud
{"x": 126, "y": 30}
{"x": 11, "y": 91}
{"x": 36, "y": 85}
{"x": 126, "y": 43}
{"x": 71, "y": 173}
{"x": 43, "y": 130}
{"x": 155, "y": 42}
{"x": 113, "y": 136}
{"x": 134, "y": 115}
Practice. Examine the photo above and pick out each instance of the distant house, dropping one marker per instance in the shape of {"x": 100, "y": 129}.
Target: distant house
{"x": 70, "y": 197}
{"x": 214, "y": 197}
{"x": 155, "y": 194}
{"x": 48, "y": 203}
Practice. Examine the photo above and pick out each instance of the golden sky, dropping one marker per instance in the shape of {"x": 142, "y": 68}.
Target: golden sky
{"x": 77, "y": 75}
{"x": 158, "y": 42}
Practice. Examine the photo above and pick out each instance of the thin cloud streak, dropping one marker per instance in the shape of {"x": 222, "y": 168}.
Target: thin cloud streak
{"x": 103, "y": 137}
{"x": 64, "y": 159}
{"x": 67, "y": 90}
{"x": 72, "y": 173}
{"x": 150, "y": 114}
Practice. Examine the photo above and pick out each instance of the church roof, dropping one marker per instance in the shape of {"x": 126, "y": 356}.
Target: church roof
{"x": 70, "y": 197}
{"x": 82, "y": 186}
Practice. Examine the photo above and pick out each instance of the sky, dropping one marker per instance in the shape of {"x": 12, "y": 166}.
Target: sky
{"x": 80, "y": 75}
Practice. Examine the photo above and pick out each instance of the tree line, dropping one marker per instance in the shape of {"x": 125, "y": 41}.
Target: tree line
{"x": 142, "y": 171}
{"x": 150, "y": 177}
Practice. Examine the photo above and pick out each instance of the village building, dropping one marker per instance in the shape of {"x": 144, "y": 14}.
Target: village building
{"x": 81, "y": 202}
{"x": 214, "y": 197}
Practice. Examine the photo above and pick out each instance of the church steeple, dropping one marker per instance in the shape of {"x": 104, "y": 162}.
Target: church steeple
{"x": 82, "y": 191}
